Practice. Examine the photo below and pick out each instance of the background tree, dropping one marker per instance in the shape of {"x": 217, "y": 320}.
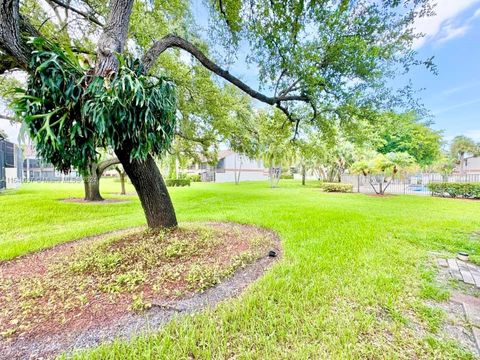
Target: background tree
{"x": 275, "y": 143}
{"x": 383, "y": 169}
{"x": 315, "y": 58}
{"x": 122, "y": 176}
{"x": 405, "y": 133}
{"x": 91, "y": 180}
{"x": 444, "y": 166}
{"x": 461, "y": 146}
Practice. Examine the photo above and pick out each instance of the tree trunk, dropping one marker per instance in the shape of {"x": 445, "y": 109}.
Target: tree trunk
{"x": 91, "y": 184}
{"x": 237, "y": 173}
{"x": 86, "y": 187}
{"x": 94, "y": 183}
{"x": 122, "y": 183}
{"x": 303, "y": 174}
{"x": 121, "y": 174}
{"x": 151, "y": 190}
{"x": 275, "y": 174}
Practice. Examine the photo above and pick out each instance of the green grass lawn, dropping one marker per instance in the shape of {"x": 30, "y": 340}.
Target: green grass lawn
{"x": 352, "y": 284}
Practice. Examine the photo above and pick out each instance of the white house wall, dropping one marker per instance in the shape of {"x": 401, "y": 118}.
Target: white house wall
{"x": 473, "y": 165}
{"x": 247, "y": 163}
{"x": 229, "y": 176}
{"x": 251, "y": 169}
{"x": 12, "y": 181}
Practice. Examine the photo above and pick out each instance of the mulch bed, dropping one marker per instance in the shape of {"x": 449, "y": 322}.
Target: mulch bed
{"x": 109, "y": 282}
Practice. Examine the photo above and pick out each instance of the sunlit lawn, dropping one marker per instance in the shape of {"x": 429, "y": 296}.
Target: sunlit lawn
{"x": 352, "y": 282}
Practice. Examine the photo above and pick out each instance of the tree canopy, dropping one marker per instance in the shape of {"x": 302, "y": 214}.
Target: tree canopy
{"x": 319, "y": 61}
{"x": 405, "y": 133}
{"x": 462, "y": 145}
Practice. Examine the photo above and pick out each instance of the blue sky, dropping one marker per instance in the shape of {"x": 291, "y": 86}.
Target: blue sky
{"x": 453, "y": 96}
{"x": 453, "y": 38}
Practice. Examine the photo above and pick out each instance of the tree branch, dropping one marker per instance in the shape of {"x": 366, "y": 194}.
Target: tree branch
{"x": 222, "y": 10}
{"x": 6, "y": 117}
{"x": 200, "y": 140}
{"x": 103, "y": 165}
{"x": 89, "y": 17}
{"x": 173, "y": 41}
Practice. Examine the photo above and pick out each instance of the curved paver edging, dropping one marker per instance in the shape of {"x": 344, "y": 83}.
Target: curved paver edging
{"x": 131, "y": 325}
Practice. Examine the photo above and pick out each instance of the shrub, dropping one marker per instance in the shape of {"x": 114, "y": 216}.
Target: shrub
{"x": 286, "y": 177}
{"x": 177, "y": 182}
{"x": 194, "y": 177}
{"x": 455, "y": 189}
{"x": 337, "y": 187}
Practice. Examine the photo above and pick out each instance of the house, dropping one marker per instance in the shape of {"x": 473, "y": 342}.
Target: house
{"x": 37, "y": 169}
{"x": 10, "y": 165}
{"x": 471, "y": 168}
{"x": 231, "y": 164}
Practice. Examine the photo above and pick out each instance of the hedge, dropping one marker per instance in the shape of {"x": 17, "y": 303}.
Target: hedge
{"x": 286, "y": 177}
{"x": 336, "y": 187}
{"x": 456, "y": 189}
{"x": 194, "y": 177}
{"x": 177, "y": 182}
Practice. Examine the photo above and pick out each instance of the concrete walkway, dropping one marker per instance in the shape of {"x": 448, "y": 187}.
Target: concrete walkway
{"x": 463, "y": 271}
{"x": 469, "y": 274}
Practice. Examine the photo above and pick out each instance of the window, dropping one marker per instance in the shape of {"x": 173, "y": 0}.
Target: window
{"x": 9, "y": 155}
{"x": 221, "y": 165}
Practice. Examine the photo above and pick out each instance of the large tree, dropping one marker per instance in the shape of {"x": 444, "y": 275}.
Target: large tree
{"x": 317, "y": 60}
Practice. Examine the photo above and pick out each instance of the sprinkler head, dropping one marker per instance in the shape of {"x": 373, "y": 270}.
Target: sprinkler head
{"x": 462, "y": 256}
{"x": 272, "y": 253}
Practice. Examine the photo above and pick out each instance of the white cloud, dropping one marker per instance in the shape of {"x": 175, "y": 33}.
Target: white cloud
{"x": 457, "y": 106}
{"x": 450, "y": 32}
{"x": 460, "y": 88}
{"x": 440, "y": 26}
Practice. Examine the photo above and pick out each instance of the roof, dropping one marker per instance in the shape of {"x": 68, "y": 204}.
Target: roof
{"x": 224, "y": 153}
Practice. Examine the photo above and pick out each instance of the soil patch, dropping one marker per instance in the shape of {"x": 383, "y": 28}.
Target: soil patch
{"x": 105, "y": 201}
{"x": 98, "y": 289}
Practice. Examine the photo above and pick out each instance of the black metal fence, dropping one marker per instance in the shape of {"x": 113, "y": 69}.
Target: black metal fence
{"x": 413, "y": 184}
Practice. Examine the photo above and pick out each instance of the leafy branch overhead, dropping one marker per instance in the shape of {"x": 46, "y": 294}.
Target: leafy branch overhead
{"x": 70, "y": 113}
{"x": 332, "y": 57}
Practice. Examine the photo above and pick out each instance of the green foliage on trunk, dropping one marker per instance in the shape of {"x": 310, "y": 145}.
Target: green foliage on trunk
{"x": 70, "y": 113}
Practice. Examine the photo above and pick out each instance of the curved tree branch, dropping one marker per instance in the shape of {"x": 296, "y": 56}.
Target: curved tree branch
{"x": 104, "y": 165}
{"x": 173, "y": 41}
